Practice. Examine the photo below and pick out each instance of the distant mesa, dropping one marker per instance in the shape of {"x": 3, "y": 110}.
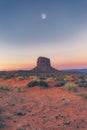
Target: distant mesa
{"x": 43, "y": 65}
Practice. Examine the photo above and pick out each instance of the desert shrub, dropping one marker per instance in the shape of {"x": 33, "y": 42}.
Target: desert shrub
{"x": 84, "y": 95}
{"x": 2, "y": 125}
{"x": 38, "y": 83}
{"x": 20, "y": 77}
{"x": 19, "y": 89}
{"x": 43, "y": 84}
{"x": 42, "y": 78}
{"x": 71, "y": 86}
{"x": 83, "y": 85}
{"x": 20, "y": 112}
{"x": 78, "y": 81}
{"x": 32, "y": 83}
{"x": 8, "y": 76}
{"x": 21, "y": 128}
{"x": 5, "y": 87}
{"x": 1, "y": 109}
{"x": 60, "y": 83}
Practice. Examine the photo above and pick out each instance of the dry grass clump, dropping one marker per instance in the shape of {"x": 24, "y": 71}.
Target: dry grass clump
{"x": 60, "y": 83}
{"x": 5, "y": 87}
{"x": 42, "y": 84}
{"x": 70, "y": 86}
{"x": 84, "y": 95}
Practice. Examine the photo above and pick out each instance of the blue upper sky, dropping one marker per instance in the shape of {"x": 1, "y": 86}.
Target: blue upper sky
{"x": 22, "y": 29}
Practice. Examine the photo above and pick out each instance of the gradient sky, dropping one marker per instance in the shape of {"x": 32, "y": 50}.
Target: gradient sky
{"x": 25, "y": 35}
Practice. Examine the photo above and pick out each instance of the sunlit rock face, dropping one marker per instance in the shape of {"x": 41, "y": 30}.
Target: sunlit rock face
{"x": 43, "y": 65}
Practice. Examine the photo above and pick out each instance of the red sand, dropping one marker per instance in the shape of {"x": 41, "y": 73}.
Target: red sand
{"x": 45, "y": 109}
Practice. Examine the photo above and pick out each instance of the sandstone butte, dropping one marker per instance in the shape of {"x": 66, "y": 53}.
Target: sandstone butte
{"x": 43, "y": 65}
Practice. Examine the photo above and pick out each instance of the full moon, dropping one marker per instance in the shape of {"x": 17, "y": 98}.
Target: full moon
{"x": 43, "y": 16}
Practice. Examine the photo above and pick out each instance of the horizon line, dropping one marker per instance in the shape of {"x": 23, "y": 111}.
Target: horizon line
{"x": 31, "y": 69}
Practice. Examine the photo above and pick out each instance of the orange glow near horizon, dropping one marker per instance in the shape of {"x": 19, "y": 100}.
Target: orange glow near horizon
{"x": 72, "y": 66}
{"x": 16, "y": 67}
{"x": 68, "y": 65}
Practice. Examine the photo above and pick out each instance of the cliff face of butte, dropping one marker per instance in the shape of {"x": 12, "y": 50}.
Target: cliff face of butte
{"x": 44, "y": 65}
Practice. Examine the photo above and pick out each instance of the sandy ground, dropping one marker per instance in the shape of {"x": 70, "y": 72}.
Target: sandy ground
{"x": 42, "y": 109}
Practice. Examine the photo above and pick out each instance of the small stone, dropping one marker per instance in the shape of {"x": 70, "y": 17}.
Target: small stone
{"x": 29, "y": 110}
{"x": 1, "y": 119}
{"x": 77, "y": 126}
{"x": 6, "y": 104}
{"x": 61, "y": 115}
{"x": 66, "y": 102}
{"x": 14, "y": 121}
{"x": 82, "y": 120}
{"x": 67, "y": 123}
{"x": 43, "y": 116}
{"x": 20, "y": 127}
{"x": 8, "y": 116}
{"x": 33, "y": 114}
{"x": 1, "y": 109}
{"x": 20, "y": 112}
{"x": 13, "y": 104}
{"x": 63, "y": 99}
{"x": 56, "y": 117}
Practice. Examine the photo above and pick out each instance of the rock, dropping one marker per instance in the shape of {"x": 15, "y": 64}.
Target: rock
{"x": 13, "y": 104}
{"x": 43, "y": 65}
{"x": 20, "y": 127}
{"x": 8, "y": 116}
{"x": 56, "y": 117}
{"x": 20, "y": 112}
{"x": 82, "y": 120}
{"x": 14, "y": 121}
{"x": 44, "y": 116}
{"x": 1, "y": 119}
{"x": 66, "y": 102}
{"x": 63, "y": 99}
{"x": 1, "y": 109}
{"x": 2, "y": 124}
{"x": 59, "y": 116}
{"x": 67, "y": 123}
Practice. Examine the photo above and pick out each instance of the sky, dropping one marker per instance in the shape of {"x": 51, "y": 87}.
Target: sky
{"x": 56, "y": 29}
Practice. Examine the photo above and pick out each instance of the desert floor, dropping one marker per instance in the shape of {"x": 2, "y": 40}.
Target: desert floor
{"x": 54, "y": 108}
